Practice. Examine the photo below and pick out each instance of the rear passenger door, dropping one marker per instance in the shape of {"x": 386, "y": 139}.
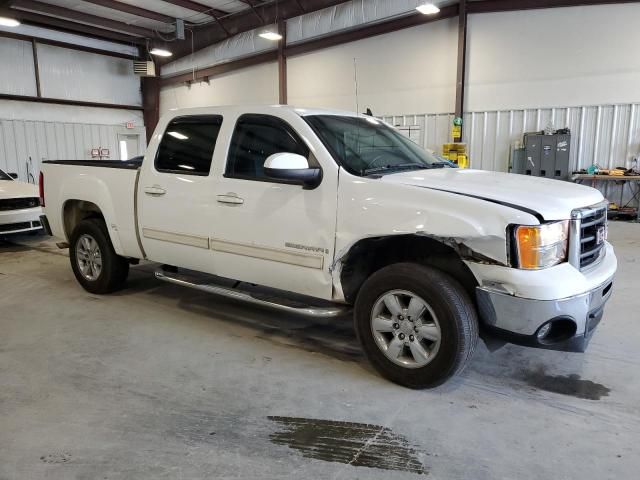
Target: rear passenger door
{"x": 175, "y": 196}
{"x": 266, "y": 231}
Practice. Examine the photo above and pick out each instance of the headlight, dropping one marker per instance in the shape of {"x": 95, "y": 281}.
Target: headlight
{"x": 541, "y": 246}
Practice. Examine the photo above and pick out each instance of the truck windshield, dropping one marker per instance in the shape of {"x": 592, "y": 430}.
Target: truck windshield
{"x": 366, "y": 146}
{"x": 4, "y": 176}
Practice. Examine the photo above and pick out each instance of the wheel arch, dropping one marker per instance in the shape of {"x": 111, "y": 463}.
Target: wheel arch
{"x": 74, "y": 211}
{"x": 369, "y": 255}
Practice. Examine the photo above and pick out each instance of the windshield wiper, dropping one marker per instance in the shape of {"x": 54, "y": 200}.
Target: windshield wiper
{"x": 440, "y": 165}
{"x": 387, "y": 168}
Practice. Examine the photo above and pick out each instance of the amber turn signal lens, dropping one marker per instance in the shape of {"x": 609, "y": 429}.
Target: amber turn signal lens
{"x": 528, "y": 247}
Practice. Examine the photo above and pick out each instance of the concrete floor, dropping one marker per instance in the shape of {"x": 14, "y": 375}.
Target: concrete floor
{"x": 162, "y": 382}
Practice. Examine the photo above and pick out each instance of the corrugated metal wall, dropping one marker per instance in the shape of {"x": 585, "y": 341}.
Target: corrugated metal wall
{"x": 608, "y": 135}
{"x": 21, "y": 139}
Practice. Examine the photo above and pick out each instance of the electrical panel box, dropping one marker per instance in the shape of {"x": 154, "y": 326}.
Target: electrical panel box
{"x": 544, "y": 156}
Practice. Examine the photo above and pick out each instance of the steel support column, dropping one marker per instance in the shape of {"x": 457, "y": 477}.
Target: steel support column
{"x": 462, "y": 62}
{"x": 282, "y": 62}
{"x": 36, "y": 66}
{"x": 151, "y": 102}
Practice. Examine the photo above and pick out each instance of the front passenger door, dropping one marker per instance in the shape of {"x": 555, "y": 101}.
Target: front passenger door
{"x": 267, "y": 231}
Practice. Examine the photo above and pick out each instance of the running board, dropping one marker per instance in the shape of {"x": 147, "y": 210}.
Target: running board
{"x": 306, "y": 310}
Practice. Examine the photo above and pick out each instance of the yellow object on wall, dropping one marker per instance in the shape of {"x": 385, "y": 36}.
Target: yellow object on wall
{"x": 457, "y": 153}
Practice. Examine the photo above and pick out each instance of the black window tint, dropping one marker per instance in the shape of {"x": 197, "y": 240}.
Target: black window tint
{"x": 187, "y": 145}
{"x": 257, "y": 137}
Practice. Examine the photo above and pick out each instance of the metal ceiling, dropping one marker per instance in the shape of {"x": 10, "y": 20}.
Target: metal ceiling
{"x": 208, "y": 21}
{"x": 128, "y": 20}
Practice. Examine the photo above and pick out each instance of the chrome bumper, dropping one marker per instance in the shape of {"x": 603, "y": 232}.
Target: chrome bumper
{"x": 518, "y": 320}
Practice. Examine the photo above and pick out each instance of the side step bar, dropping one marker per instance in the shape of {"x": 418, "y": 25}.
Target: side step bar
{"x": 306, "y": 310}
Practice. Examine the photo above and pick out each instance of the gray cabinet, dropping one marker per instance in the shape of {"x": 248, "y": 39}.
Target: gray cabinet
{"x": 543, "y": 156}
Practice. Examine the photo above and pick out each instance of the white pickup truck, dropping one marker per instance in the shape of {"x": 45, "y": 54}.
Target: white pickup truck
{"x": 331, "y": 210}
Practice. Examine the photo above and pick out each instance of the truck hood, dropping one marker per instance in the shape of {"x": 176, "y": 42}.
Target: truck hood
{"x": 552, "y": 199}
{"x": 13, "y": 189}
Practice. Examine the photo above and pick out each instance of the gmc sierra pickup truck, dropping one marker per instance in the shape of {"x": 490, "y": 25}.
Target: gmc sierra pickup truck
{"x": 331, "y": 212}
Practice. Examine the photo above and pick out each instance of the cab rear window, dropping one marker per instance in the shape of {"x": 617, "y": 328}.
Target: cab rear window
{"x": 187, "y": 145}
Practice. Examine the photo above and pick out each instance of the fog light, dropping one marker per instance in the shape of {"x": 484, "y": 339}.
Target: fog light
{"x": 544, "y": 330}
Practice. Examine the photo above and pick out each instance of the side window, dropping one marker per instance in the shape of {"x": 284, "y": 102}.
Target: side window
{"x": 256, "y": 137}
{"x": 187, "y": 145}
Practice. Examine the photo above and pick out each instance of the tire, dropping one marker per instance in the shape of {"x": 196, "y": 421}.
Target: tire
{"x": 114, "y": 269}
{"x": 444, "y": 335}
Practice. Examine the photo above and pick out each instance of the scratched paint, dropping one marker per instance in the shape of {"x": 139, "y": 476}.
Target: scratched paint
{"x": 356, "y": 444}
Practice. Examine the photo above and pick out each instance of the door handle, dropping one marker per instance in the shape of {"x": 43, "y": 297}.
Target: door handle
{"x": 230, "y": 198}
{"x": 155, "y": 191}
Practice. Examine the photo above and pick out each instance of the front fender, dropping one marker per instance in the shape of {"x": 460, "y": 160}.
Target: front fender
{"x": 371, "y": 208}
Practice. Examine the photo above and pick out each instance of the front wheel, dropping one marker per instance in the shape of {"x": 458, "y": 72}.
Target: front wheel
{"x": 417, "y": 325}
{"x": 96, "y": 265}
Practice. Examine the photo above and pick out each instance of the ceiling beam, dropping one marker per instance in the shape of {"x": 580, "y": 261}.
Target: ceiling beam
{"x": 368, "y": 31}
{"x": 489, "y": 6}
{"x": 83, "y": 18}
{"x": 198, "y": 7}
{"x": 64, "y": 101}
{"x": 53, "y": 23}
{"x": 133, "y": 10}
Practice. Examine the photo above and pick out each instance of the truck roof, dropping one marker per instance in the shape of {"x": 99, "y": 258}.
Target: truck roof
{"x": 302, "y": 111}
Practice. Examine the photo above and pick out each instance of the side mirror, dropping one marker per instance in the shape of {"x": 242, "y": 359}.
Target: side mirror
{"x": 14, "y": 176}
{"x": 293, "y": 168}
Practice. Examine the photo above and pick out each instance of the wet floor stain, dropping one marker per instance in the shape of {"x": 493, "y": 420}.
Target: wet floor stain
{"x": 357, "y": 444}
{"x": 58, "y": 458}
{"x": 571, "y": 385}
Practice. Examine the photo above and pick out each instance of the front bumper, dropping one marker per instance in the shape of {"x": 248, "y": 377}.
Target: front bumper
{"x": 17, "y": 221}
{"x": 518, "y": 320}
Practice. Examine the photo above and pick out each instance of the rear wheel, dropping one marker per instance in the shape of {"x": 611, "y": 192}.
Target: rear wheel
{"x": 417, "y": 325}
{"x": 96, "y": 265}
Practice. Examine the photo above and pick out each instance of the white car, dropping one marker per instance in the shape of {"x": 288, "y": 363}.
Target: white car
{"x": 19, "y": 206}
{"x": 332, "y": 210}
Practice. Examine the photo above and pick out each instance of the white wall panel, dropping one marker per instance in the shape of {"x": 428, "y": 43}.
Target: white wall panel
{"x": 71, "y": 38}
{"x": 403, "y": 72}
{"x": 24, "y": 142}
{"x": 17, "y": 110}
{"x": 254, "y": 85}
{"x": 561, "y": 56}
{"x": 17, "y": 75}
{"x": 75, "y": 75}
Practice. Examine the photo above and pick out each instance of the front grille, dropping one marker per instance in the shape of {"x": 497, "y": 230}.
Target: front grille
{"x": 593, "y": 227}
{"x": 19, "y": 203}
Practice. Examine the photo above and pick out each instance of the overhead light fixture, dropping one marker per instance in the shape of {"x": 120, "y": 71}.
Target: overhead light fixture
{"x": 178, "y": 135}
{"x": 269, "y": 35}
{"x": 160, "y": 52}
{"x": 427, "y": 9}
{"x": 9, "y": 22}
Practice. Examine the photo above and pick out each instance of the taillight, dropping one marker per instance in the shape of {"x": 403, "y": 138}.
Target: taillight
{"x": 41, "y": 184}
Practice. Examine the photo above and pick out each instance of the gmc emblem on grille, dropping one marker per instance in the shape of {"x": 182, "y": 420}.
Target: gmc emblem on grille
{"x": 601, "y": 235}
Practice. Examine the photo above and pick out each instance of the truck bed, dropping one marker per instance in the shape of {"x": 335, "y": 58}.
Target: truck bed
{"x": 108, "y": 184}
